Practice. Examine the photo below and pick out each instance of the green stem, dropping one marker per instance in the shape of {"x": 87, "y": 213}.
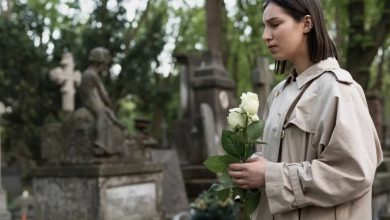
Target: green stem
{"x": 245, "y": 157}
{"x": 245, "y": 209}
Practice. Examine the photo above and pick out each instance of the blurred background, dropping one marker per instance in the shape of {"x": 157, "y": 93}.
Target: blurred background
{"x": 151, "y": 42}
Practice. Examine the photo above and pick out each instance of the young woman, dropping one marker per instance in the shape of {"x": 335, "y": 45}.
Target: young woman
{"x": 322, "y": 147}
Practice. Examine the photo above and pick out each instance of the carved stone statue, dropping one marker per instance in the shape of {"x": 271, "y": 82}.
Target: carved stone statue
{"x": 95, "y": 98}
{"x": 92, "y": 133}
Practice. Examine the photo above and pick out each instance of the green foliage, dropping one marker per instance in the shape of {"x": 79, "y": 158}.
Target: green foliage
{"x": 233, "y": 144}
{"x": 208, "y": 206}
{"x": 24, "y": 85}
{"x": 219, "y": 164}
{"x": 35, "y": 35}
{"x": 192, "y": 31}
{"x": 254, "y": 131}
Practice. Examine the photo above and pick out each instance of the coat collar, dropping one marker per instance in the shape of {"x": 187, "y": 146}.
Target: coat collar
{"x": 330, "y": 64}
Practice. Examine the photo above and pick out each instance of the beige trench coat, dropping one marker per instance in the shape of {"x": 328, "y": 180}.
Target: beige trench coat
{"x": 329, "y": 151}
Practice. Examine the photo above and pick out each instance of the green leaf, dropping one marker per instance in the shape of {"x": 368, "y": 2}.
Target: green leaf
{"x": 249, "y": 149}
{"x": 220, "y": 163}
{"x": 228, "y": 159}
{"x": 231, "y": 143}
{"x": 253, "y": 198}
{"x": 225, "y": 179}
{"x": 254, "y": 131}
{"x": 215, "y": 164}
{"x": 223, "y": 194}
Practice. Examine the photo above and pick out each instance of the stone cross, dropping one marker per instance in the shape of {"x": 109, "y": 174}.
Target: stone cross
{"x": 68, "y": 78}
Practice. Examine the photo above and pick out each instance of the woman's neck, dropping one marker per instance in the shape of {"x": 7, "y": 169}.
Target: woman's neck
{"x": 300, "y": 65}
{"x": 302, "y": 60}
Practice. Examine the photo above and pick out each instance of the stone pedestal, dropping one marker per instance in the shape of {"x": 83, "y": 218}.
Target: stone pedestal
{"x": 99, "y": 192}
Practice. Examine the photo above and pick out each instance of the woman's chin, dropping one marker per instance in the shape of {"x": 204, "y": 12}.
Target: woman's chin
{"x": 278, "y": 58}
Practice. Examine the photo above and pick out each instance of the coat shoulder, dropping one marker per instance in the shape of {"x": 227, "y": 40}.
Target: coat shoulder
{"x": 338, "y": 82}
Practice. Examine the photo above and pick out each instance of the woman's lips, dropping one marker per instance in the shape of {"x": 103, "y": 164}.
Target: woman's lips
{"x": 272, "y": 48}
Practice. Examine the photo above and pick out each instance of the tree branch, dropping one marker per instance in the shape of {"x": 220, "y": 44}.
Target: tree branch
{"x": 132, "y": 32}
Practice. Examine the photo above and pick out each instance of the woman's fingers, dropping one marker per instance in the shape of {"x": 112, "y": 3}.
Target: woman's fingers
{"x": 236, "y": 166}
{"x": 236, "y": 174}
{"x": 240, "y": 182}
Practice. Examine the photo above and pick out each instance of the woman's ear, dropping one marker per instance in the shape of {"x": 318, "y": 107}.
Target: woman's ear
{"x": 308, "y": 24}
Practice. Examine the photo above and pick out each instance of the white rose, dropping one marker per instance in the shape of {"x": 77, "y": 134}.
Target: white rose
{"x": 236, "y": 118}
{"x": 254, "y": 118}
{"x": 250, "y": 102}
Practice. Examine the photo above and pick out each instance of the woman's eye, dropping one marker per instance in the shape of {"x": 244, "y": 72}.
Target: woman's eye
{"x": 275, "y": 25}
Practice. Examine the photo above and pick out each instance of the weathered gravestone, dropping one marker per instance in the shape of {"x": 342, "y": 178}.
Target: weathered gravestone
{"x": 186, "y": 134}
{"x": 262, "y": 80}
{"x": 174, "y": 198}
{"x": 381, "y": 191}
{"x": 4, "y": 213}
{"x": 207, "y": 95}
{"x": 91, "y": 170}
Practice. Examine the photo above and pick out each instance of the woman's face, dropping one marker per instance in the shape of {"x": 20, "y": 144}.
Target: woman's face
{"x": 284, "y": 36}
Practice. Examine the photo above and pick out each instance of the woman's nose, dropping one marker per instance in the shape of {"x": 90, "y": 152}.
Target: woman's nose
{"x": 266, "y": 35}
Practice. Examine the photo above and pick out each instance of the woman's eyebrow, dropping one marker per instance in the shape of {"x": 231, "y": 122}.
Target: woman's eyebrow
{"x": 270, "y": 19}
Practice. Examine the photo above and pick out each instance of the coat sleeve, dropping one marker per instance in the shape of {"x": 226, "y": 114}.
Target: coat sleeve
{"x": 349, "y": 152}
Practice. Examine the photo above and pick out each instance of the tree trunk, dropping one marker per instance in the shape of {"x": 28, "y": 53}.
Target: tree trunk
{"x": 214, "y": 25}
{"x": 363, "y": 45}
{"x": 355, "y": 47}
{"x": 362, "y": 48}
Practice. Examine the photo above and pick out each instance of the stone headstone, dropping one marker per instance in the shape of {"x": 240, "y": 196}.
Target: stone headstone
{"x": 185, "y": 141}
{"x": 186, "y": 135}
{"x": 381, "y": 195}
{"x": 209, "y": 131}
{"x": 12, "y": 181}
{"x": 262, "y": 80}
{"x": 190, "y": 63}
{"x": 4, "y": 213}
{"x": 68, "y": 78}
{"x": 174, "y": 197}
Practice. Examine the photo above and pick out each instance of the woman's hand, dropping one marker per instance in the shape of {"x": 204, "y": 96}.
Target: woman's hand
{"x": 250, "y": 174}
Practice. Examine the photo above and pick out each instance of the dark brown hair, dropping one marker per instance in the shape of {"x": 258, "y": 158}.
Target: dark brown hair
{"x": 319, "y": 42}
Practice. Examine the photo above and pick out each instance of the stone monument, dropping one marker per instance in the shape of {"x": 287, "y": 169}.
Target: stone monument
{"x": 91, "y": 170}
{"x": 213, "y": 87}
{"x": 4, "y": 213}
{"x": 206, "y": 97}
{"x": 262, "y": 80}
{"x": 66, "y": 76}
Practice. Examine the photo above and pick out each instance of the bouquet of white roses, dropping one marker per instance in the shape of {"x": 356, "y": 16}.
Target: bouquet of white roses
{"x": 238, "y": 143}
